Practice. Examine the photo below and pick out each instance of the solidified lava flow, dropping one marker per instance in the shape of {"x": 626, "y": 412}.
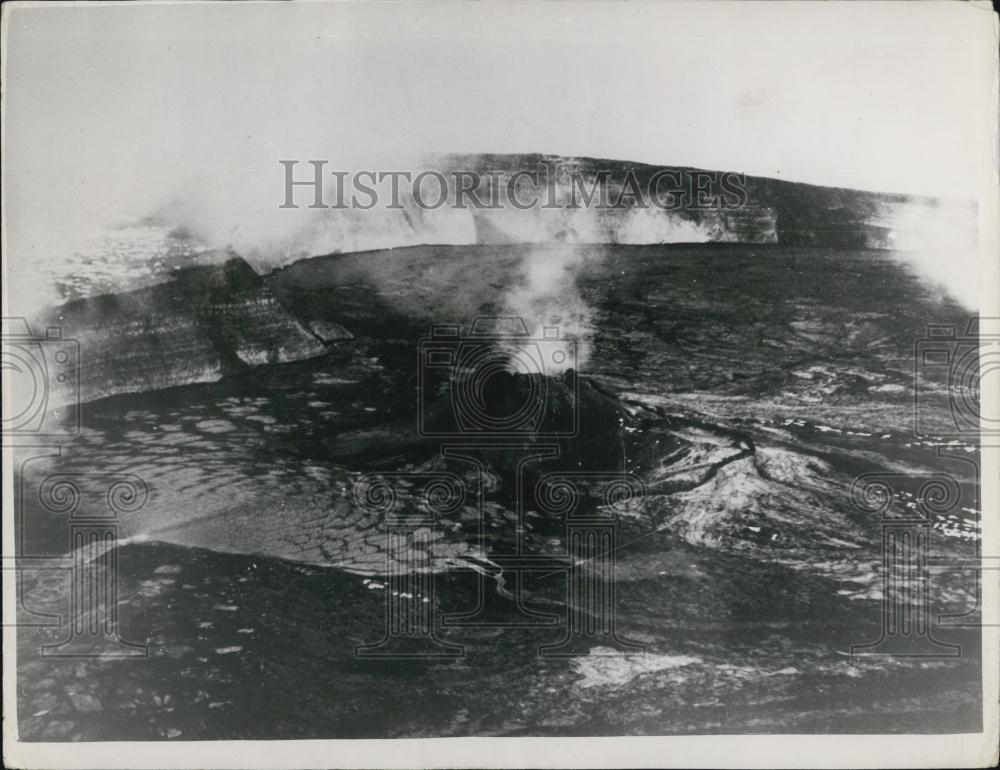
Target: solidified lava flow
{"x": 733, "y": 397}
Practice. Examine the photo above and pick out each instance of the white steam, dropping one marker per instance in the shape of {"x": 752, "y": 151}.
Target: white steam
{"x": 648, "y": 226}
{"x": 547, "y": 298}
{"x": 939, "y": 240}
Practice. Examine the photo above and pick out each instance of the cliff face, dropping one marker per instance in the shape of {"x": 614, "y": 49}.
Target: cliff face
{"x": 206, "y": 322}
{"x": 765, "y": 211}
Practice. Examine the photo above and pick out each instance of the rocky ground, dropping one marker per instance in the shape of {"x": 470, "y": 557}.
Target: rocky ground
{"x": 745, "y": 389}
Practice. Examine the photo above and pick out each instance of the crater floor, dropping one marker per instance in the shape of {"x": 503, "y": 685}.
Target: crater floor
{"x": 745, "y": 389}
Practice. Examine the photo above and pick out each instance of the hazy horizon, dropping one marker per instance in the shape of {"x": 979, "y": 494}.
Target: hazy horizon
{"x": 112, "y": 112}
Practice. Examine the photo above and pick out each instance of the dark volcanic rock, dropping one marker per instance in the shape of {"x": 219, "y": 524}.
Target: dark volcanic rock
{"x": 207, "y": 322}
{"x": 768, "y": 210}
{"x": 744, "y": 389}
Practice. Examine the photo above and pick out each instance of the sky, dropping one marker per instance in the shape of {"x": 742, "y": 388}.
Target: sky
{"x": 788, "y": 91}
